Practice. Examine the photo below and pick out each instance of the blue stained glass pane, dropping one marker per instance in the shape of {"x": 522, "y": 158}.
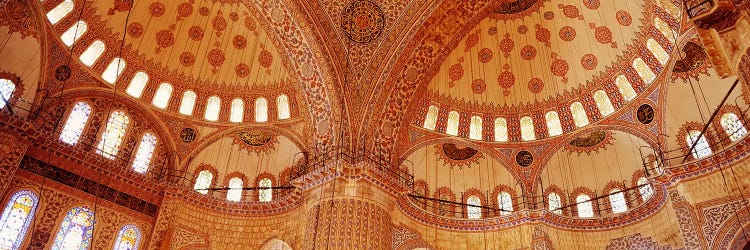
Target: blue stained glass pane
{"x": 76, "y": 230}
{"x": 17, "y": 216}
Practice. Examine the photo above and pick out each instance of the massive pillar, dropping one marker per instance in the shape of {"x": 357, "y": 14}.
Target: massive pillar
{"x": 12, "y": 150}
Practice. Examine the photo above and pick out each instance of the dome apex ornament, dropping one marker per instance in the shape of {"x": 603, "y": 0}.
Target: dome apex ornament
{"x": 362, "y": 21}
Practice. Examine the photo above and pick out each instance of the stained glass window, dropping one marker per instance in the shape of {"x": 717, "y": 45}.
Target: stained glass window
{"x": 60, "y": 11}
{"x": 129, "y": 238}
{"x": 658, "y": 51}
{"x": 430, "y": 121}
{"x": 702, "y": 149}
{"x": 553, "y": 123}
{"x": 282, "y": 104}
{"x": 671, "y": 8}
{"x": 144, "y": 153}
{"x": 163, "y": 93}
{"x": 17, "y": 216}
{"x": 76, "y": 230}
{"x": 579, "y": 114}
{"x": 644, "y": 71}
{"x": 113, "y": 135}
{"x": 265, "y": 193}
{"x": 92, "y": 53}
{"x": 527, "y": 129}
{"x": 73, "y": 128}
{"x": 665, "y": 30}
{"x": 501, "y": 129}
{"x": 603, "y": 103}
{"x": 261, "y": 110}
{"x": 554, "y": 203}
{"x": 6, "y": 91}
{"x": 585, "y": 209}
{"x": 505, "y": 201}
{"x": 188, "y": 102}
{"x": 733, "y": 126}
{"x": 137, "y": 84}
{"x": 473, "y": 211}
{"x": 237, "y": 113}
{"x": 627, "y": 91}
{"x": 617, "y": 200}
{"x": 74, "y": 33}
{"x": 645, "y": 188}
{"x": 235, "y": 189}
{"x": 203, "y": 182}
{"x": 213, "y": 105}
{"x": 475, "y": 128}
{"x": 113, "y": 70}
{"x": 452, "y": 127}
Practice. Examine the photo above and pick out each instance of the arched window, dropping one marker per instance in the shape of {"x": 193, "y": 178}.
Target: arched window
{"x": 129, "y": 238}
{"x": 17, "y": 216}
{"x": 237, "y": 113}
{"x": 553, "y": 123}
{"x": 665, "y": 30}
{"x": 645, "y": 188}
{"x": 733, "y": 126}
{"x": 213, "y": 105}
{"x": 73, "y": 128}
{"x": 188, "y": 102}
{"x": 554, "y": 203}
{"x": 603, "y": 103}
{"x": 235, "y": 189}
{"x": 144, "y": 153}
{"x": 92, "y": 53}
{"x": 473, "y": 209}
{"x": 163, "y": 93}
{"x": 137, "y": 84}
{"x": 76, "y": 230}
{"x": 475, "y": 128}
{"x": 6, "y": 91}
{"x": 617, "y": 200}
{"x": 113, "y": 70}
{"x": 430, "y": 121}
{"x": 579, "y": 114}
{"x": 505, "y": 202}
{"x": 74, "y": 33}
{"x": 203, "y": 182}
{"x": 527, "y": 129}
{"x": 60, "y": 11}
{"x": 265, "y": 193}
{"x": 585, "y": 209}
{"x": 261, "y": 110}
{"x": 452, "y": 127}
{"x": 658, "y": 51}
{"x": 282, "y": 105}
{"x": 644, "y": 71}
{"x": 702, "y": 149}
{"x": 627, "y": 91}
{"x": 501, "y": 129}
{"x": 671, "y": 8}
{"x": 113, "y": 135}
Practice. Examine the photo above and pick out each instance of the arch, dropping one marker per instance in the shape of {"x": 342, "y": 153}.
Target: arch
{"x": 275, "y": 244}
{"x": 527, "y": 129}
{"x": 92, "y": 53}
{"x": 665, "y": 30}
{"x": 114, "y": 133}
{"x": 213, "y": 106}
{"x": 7, "y": 87}
{"x": 75, "y": 32}
{"x": 733, "y": 126}
{"x": 644, "y": 188}
{"x": 430, "y": 120}
{"x": 137, "y": 84}
{"x": 617, "y": 201}
{"x": 625, "y": 88}
{"x": 235, "y": 189}
{"x": 16, "y": 218}
{"x": 187, "y": 104}
{"x": 162, "y": 96}
{"x": 501, "y": 129}
{"x": 237, "y": 112}
{"x": 203, "y": 181}
{"x": 475, "y": 128}
{"x": 128, "y": 238}
{"x": 60, "y": 11}
{"x": 261, "y": 110}
{"x": 265, "y": 193}
{"x": 473, "y": 209}
{"x": 658, "y": 51}
{"x": 144, "y": 153}
{"x": 702, "y": 148}
{"x": 579, "y": 114}
{"x": 113, "y": 70}
{"x": 603, "y": 103}
{"x": 75, "y": 230}
{"x": 76, "y": 122}
{"x": 554, "y": 203}
{"x": 583, "y": 204}
{"x": 553, "y": 123}
{"x": 505, "y": 203}
{"x": 644, "y": 71}
{"x": 282, "y": 107}
{"x": 451, "y": 127}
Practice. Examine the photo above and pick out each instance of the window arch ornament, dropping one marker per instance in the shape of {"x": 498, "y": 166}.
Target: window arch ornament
{"x": 553, "y": 123}
{"x": 501, "y": 129}
{"x": 144, "y": 153}
{"x": 644, "y": 188}
{"x": 265, "y": 191}
{"x": 584, "y": 206}
{"x": 92, "y": 53}
{"x": 137, "y": 84}
{"x": 658, "y": 51}
{"x": 617, "y": 201}
{"x": 60, "y": 11}
{"x": 203, "y": 181}
{"x": 162, "y": 96}
{"x": 74, "y": 33}
{"x": 603, "y": 103}
{"x": 76, "y": 122}
{"x": 702, "y": 148}
{"x": 113, "y": 70}
{"x": 733, "y": 126}
{"x": 261, "y": 110}
{"x": 644, "y": 71}
{"x": 282, "y": 106}
{"x": 475, "y": 128}
{"x": 451, "y": 127}
{"x": 16, "y": 218}
{"x": 7, "y": 87}
{"x": 235, "y": 189}
{"x": 473, "y": 208}
{"x": 625, "y": 88}
{"x": 129, "y": 238}
{"x": 75, "y": 230}
{"x": 114, "y": 133}
{"x": 430, "y": 120}
{"x": 579, "y": 114}
{"x": 237, "y": 112}
{"x": 213, "y": 106}
{"x": 505, "y": 203}
{"x": 527, "y": 129}
{"x": 554, "y": 203}
{"x": 187, "y": 104}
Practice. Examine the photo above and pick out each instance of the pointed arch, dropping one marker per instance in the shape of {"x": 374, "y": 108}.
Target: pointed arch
{"x": 473, "y": 209}
{"x": 553, "y": 123}
{"x": 625, "y": 88}
{"x": 144, "y": 153}
{"x": 7, "y": 87}
{"x": 162, "y": 96}
{"x": 137, "y": 84}
{"x": 644, "y": 187}
{"x": 113, "y": 70}
{"x": 282, "y": 105}
{"x": 505, "y": 203}
{"x": 733, "y": 126}
{"x": 203, "y": 181}
{"x": 475, "y": 128}
{"x": 74, "y": 33}
{"x": 644, "y": 71}
{"x": 75, "y": 230}
{"x": 603, "y": 103}
{"x": 114, "y": 133}
{"x": 92, "y": 53}
{"x": 16, "y": 218}
{"x": 554, "y": 203}
{"x": 213, "y": 106}
{"x": 702, "y": 148}
{"x": 187, "y": 104}
{"x": 235, "y": 189}
{"x": 453, "y": 121}
{"x": 128, "y": 238}
{"x": 617, "y": 201}
{"x": 527, "y": 129}
{"x": 579, "y": 114}
{"x": 237, "y": 112}
{"x": 501, "y": 129}
{"x": 266, "y": 192}
{"x": 261, "y": 110}
{"x": 585, "y": 209}
{"x": 430, "y": 120}
{"x": 76, "y": 122}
